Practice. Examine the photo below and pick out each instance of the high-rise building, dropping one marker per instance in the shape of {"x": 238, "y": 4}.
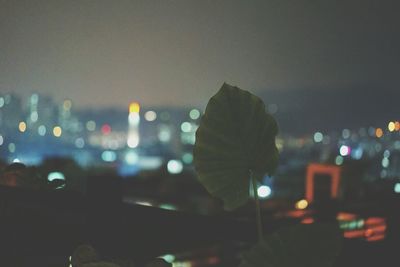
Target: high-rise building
{"x": 133, "y": 121}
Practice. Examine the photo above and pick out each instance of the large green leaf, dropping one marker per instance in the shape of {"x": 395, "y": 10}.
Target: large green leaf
{"x": 314, "y": 245}
{"x": 235, "y": 139}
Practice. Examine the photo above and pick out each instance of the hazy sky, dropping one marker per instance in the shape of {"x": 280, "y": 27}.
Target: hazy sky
{"x": 180, "y": 52}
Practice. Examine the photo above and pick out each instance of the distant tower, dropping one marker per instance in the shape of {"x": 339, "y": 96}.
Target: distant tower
{"x": 133, "y": 120}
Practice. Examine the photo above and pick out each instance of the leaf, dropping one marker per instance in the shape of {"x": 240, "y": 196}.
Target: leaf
{"x": 235, "y": 139}
{"x": 314, "y": 245}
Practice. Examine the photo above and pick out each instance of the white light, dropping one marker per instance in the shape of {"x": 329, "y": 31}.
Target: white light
{"x": 55, "y": 175}
{"x": 143, "y": 203}
{"x": 397, "y": 188}
{"x": 344, "y": 150}
{"x": 164, "y": 134}
{"x": 318, "y": 137}
{"x": 174, "y": 166}
{"x": 1, "y": 102}
{"x": 150, "y": 115}
{"x": 194, "y": 114}
{"x": 42, "y": 130}
{"x": 133, "y": 140}
{"x": 131, "y": 158}
{"x": 168, "y": 258}
{"x": 79, "y": 142}
{"x": 264, "y": 191}
{"x": 186, "y": 127}
{"x": 16, "y": 160}
{"x": 134, "y": 118}
{"x": 108, "y": 156}
{"x": 385, "y": 162}
{"x": 1, "y": 140}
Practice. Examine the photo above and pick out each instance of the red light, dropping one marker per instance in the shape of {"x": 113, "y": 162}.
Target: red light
{"x": 376, "y": 238}
{"x": 106, "y": 129}
{"x": 307, "y": 220}
{"x": 354, "y": 234}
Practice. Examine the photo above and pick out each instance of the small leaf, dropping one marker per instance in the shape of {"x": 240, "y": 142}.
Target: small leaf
{"x": 315, "y": 245}
{"x": 236, "y": 137}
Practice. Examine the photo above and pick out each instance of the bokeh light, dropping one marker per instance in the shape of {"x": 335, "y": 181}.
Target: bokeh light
{"x": 391, "y": 126}
{"x": 11, "y": 147}
{"x": 318, "y": 137}
{"x": 91, "y": 126}
{"x": 186, "y": 127}
{"x": 108, "y": 156}
{"x": 79, "y": 142}
{"x": 106, "y": 129}
{"x": 339, "y": 160}
{"x": 264, "y": 191}
{"x": 344, "y": 150}
{"x": 57, "y": 131}
{"x": 42, "y": 130}
{"x": 150, "y": 115}
{"x": 379, "y": 132}
{"x": 174, "y": 166}
{"x": 22, "y": 126}
{"x": 194, "y": 114}
{"x": 301, "y": 204}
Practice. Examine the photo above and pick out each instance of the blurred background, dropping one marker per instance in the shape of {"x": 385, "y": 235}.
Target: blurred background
{"x": 119, "y": 88}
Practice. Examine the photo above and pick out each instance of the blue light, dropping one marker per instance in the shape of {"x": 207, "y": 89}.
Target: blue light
{"x": 357, "y": 153}
{"x": 109, "y": 156}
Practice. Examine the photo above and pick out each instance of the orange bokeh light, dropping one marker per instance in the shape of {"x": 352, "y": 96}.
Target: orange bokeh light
{"x": 379, "y": 132}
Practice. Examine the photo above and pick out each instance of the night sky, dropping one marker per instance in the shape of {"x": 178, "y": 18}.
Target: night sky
{"x": 107, "y": 53}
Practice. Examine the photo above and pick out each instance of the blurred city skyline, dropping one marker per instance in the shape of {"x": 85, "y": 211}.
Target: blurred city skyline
{"x": 178, "y": 53}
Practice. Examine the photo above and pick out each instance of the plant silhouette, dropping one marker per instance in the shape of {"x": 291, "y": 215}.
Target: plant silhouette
{"x": 235, "y": 147}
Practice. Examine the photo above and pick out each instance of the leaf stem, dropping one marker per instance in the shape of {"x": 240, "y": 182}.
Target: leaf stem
{"x": 258, "y": 210}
